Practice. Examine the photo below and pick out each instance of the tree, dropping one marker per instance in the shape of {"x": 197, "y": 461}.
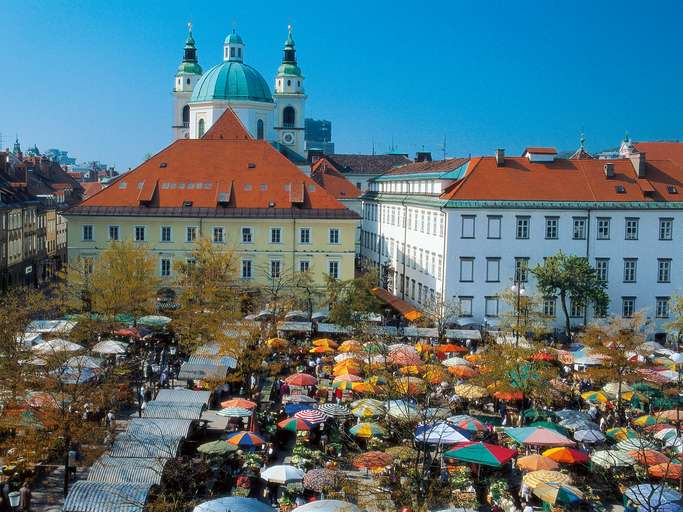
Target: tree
{"x": 571, "y": 277}
{"x": 305, "y": 292}
{"x": 524, "y": 314}
{"x": 352, "y": 301}
{"x": 439, "y": 312}
{"x": 209, "y": 296}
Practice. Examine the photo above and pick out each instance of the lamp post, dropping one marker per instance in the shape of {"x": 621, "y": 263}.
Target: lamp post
{"x": 518, "y": 289}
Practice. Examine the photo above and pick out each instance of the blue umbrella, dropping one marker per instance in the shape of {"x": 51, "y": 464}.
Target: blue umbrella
{"x": 653, "y": 498}
{"x": 233, "y": 504}
{"x": 291, "y": 409}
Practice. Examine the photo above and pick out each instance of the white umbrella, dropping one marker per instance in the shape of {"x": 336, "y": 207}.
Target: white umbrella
{"x": 282, "y": 474}
{"x": 612, "y": 388}
{"x": 612, "y": 458}
{"x": 110, "y": 347}
{"x": 233, "y": 504}
{"x": 327, "y": 506}
{"x": 456, "y": 361}
{"x": 83, "y": 362}
{"x": 439, "y": 433}
{"x": 56, "y": 345}
{"x": 589, "y": 436}
{"x": 637, "y": 443}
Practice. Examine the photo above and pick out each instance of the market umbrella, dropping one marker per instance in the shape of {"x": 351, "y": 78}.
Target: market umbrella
{"x": 652, "y": 497}
{"x": 589, "y": 436}
{"x": 536, "y": 414}
{"x": 470, "y": 391}
{"x": 612, "y": 388}
{"x": 666, "y": 434}
{"x": 422, "y": 347}
{"x": 239, "y": 402}
{"x": 327, "y": 506}
{"x": 404, "y": 357}
{"x": 321, "y": 479}
{"x": 412, "y": 369}
{"x": 346, "y": 356}
{"x": 366, "y": 401}
{"x": 301, "y": 379}
{"x": 637, "y": 443}
{"x": 321, "y": 350}
{"x": 110, "y": 347}
{"x": 665, "y": 470}
{"x": 372, "y": 460}
{"x": 649, "y": 457}
{"x": 645, "y": 420}
{"x": 277, "y": 343}
{"x": 451, "y": 348}
{"x": 551, "y": 426}
{"x": 313, "y": 416}
{"x": 612, "y": 458}
{"x": 536, "y": 436}
{"x": 481, "y": 453}
{"x": 235, "y": 412}
{"x": 465, "y": 422}
{"x": 56, "y": 345}
{"x": 402, "y": 410}
{"x": 439, "y": 433}
{"x": 233, "y": 504}
{"x": 434, "y": 374}
{"x": 579, "y": 424}
{"x": 595, "y": 397}
{"x": 535, "y": 478}
{"x": 367, "y": 430}
{"x": 463, "y": 372}
{"x": 84, "y": 362}
{"x": 295, "y": 425}
{"x": 349, "y": 377}
{"x": 281, "y": 474}
{"x": 664, "y": 416}
{"x": 154, "y": 320}
{"x": 216, "y": 448}
{"x": 410, "y": 385}
{"x": 350, "y": 346}
{"x": 456, "y": 361}
{"x": 566, "y": 455}
{"x": 508, "y": 396}
{"x": 557, "y": 493}
{"x": 367, "y": 410}
{"x": 621, "y": 433}
{"x": 246, "y": 439}
{"x": 334, "y": 410}
{"x": 324, "y": 342}
{"x": 535, "y": 462}
{"x": 346, "y": 370}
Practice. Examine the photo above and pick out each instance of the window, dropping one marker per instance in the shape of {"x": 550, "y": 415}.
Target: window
{"x": 333, "y": 269}
{"x": 466, "y": 270}
{"x": 165, "y": 269}
{"x": 113, "y": 232}
{"x": 662, "y": 307}
{"x": 441, "y": 224}
{"x": 275, "y": 269}
{"x": 467, "y": 226}
{"x": 666, "y": 229}
{"x": 201, "y": 128}
{"x": 304, "y": 266}
{"x": 492, "y": 270}
{"x": 419, "y": 293}
{"x": 190, "y": 233}
{"x": 663, "y": 270}
{"x": 232, "y": 52}
{"x": 218, "y": 236}
{"x": 305, "y": 235}
{"x": 551, "y": 224}
{"x": 602, "y": 268}
{"x": 421, "y": 266}
{"x": 246, "y": 269}
{"x": 521, "y": 270}
{"x": 434, "y": 223}
{"x": 334, "y": 236}
{"x": 493, "y": 229}
{"x": 628, "y": 306}
{"x": 414, "y": 258}
{"x": 576, "y": 309}
{"x": 491, "y": 307}
{"x": 549, "y": 306}
{"x": 465, "y": 306}
{"x": 631, "y": 229}
{"x": 275, "y": 236}
{"x": 523, "y": 228}
{"x": 410, "y": 218}
{"x": 288, "y": 117}
{"x": 439, "y": 265}
{"x": 603, "y": 228}
{"x": 139, "y": 233}
{"x": 247, "y": 235}
{"x": 412, "y": 289}
{"x": 630, "y": 265}
{"x": 422, "y": 221}
{"x": 165, "y": 233}
{"x": 259, "y": 129}
{"x": 429, "y": 223}
{"x": 88, "y": 233}
{"x": 186, "y": 114}
{"x": 579, "y": 229}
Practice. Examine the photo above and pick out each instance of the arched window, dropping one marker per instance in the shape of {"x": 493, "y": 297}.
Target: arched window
{"x": 289, "y": 82}
{"x": 186, "y": 116}
{"x": 288, "y": 117}
{"x": 188, "y": 81}
{"x": 200, "y": 129}
{"x": 259, "y": 129}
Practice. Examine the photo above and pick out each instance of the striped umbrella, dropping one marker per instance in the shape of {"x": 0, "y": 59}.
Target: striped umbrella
{"x": 313, "y": 416}
{"x": 244, "y": 438}
{"x": 367, "y": 430}
{"x": 334, "y": 410}
{"x": 554, "y": 492}
{"x": 621, "y": 433}
{"x": 612, "y": 458}
{"x": 536, "y": 478}
{"x": 635, "y": 444}
{"x": 239, "y": 402}
{"x": 367, "y": 410}
{"x": 589, "y": 436}
{"x": 481, "y": 453}
{"x": 469, "y": 423}
{"x": 645, "y": 420}
{"x": 294, "y": 425}
{"x": 536, "y": 462}
{"x": 235, "y": 412}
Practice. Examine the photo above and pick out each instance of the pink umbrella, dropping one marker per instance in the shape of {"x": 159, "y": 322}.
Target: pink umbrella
{"x": 538, "y": 436}
{"x": 405, "y": 357}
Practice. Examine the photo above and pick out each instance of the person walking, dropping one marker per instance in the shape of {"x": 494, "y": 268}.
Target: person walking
{"x": 25, "y": 497}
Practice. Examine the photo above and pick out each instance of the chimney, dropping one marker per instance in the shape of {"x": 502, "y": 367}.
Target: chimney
{"x": 609, "y": 170}
{"x": 638, "y": 162}
{"x": 423, "y": 156}
{"x": 500, "y": 157}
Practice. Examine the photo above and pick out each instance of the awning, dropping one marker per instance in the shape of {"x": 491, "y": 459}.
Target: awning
{"x": 463, "y": 334}
{"x": 165, "y": 427}
{"x": 399, "y": 305}
{"x": 173, "y": 410}
{"x": 183, "y": 395}
{"x": 294, "y": 326}
{"x": 87, "y": 496}
{"x": 136, "y": 470}
{"x": 145, "y": 446}
{"x": 202, "y": 372}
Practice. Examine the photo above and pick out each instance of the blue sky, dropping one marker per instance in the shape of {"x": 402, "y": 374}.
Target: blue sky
{"x": 94, "y": 77}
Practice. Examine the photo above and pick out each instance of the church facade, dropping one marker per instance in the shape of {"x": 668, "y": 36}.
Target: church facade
{"x": 200, "y": 98}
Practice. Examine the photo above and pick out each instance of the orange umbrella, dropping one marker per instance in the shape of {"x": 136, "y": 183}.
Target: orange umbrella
{"x": 324, "y": 342}
{"x": 451, "y": 348}
{"x": 351, "y": 346}
{"x": 665, "y": 470}
{"x": 412, "y": 385}
{"x": 464, "y": 372}
{"x": 238, "y": 402}
{"x": 410, "y": 370}
{"x": 536, "y": 462}
{"x": 321, "y": 350}
{"x": 433, "y": 373}
{"x": 508, "y": 396}
{"x": 472, "y": 358}
{"x": 346, "y": 370}
{"x": 649, "y": 457}
{"x": 670, "y": 415}
{"x": 363, "y": 387}
{"x": 566, "y": 455}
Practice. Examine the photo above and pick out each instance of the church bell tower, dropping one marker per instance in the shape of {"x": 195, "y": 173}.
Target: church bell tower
{"x": 186, "y": 77}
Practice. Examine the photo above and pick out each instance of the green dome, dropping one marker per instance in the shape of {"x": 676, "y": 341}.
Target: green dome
{"x": 233, "y": 38}
{"x": 189, "y": 68}
{"x": 232, "y": 80}
{"x": 289, "y": 69}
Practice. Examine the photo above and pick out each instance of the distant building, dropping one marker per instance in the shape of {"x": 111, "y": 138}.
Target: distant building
{"x": 318, "y": 135}
{"x": 359, "y": 169}
{"x": 60, "y": 156}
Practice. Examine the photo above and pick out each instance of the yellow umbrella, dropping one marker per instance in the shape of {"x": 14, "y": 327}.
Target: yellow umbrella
{"x": 422, "y": 346}
{"x": 321, "y": 350}
{"x": 595, "y": 396}
{"x": 434, "y": 374}
{"x": 347, "y": 370}
{"x": 410, "y": 370}
{"x": 351, "y": 346}
{"x": 410, "y": 385}
{"x": 630, "y": 395}
{"x": 470, "y": 391}
{"x": 277, "y": 342}
{"x": 536, "y": 478}
{"x": 324, "y": 342}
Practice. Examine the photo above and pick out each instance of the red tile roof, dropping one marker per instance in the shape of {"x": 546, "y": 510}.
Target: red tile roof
{"x": 662, "y": 151}
{"x": 228, "y": 127}
{"x": 428, "y": 166}
{"x": 540, "y": 151}
{"x": 91, "y": 188}
{"x": 565, "y": 180}
{"x": 335, "y": 183}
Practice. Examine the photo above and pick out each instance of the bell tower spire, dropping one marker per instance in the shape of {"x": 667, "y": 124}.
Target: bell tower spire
{"x": 186, "y": 77}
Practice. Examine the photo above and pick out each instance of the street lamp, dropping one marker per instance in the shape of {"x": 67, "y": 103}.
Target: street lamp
{"x": 519, "y": 291}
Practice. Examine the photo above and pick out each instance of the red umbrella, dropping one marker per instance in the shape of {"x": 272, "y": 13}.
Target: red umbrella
{"x": 129, "y": 331}
{"x": 451, "y": 348}
{"x": 301, "y": 379}
{"x": 543, "y": 356}
{"x": 508, "y": 396}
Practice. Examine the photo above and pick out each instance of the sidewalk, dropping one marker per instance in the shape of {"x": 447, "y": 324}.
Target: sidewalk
{"x": 48, "y": 495}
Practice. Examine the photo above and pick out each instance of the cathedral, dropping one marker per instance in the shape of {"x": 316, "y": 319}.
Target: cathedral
{"x": 201, "y": 98}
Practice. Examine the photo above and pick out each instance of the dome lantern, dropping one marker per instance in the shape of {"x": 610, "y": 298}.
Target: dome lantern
{"x": 233, "y": 48}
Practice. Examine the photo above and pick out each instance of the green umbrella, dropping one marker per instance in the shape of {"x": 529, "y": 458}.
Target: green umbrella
{"x": 154, "y": 320}
{"x": 481, "y": 453}
{"x": 217, "y": 448}
{"x": 550, "y": 425}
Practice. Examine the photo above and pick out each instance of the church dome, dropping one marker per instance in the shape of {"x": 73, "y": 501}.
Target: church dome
{"x": 232, "y": 80}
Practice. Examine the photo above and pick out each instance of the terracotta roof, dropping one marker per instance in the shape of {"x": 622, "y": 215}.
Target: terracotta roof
{"x": 399, "y": 305}
{"x": 565, "y": 180}
{"x": 431, "y": 166}
{"x": 335, "y": 183}
{"x": 228, "y": 127}
{"x": 91, "y": 188}
{"x": 211, "y": 173}
{"x": 364, "y": 164}
{"x": 581, "y": 154}
{"x": 539, "y": 151}
{"x": 662, "y": 151}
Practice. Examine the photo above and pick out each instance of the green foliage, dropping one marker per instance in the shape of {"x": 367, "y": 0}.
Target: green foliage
{"x": 352, "y": 300}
